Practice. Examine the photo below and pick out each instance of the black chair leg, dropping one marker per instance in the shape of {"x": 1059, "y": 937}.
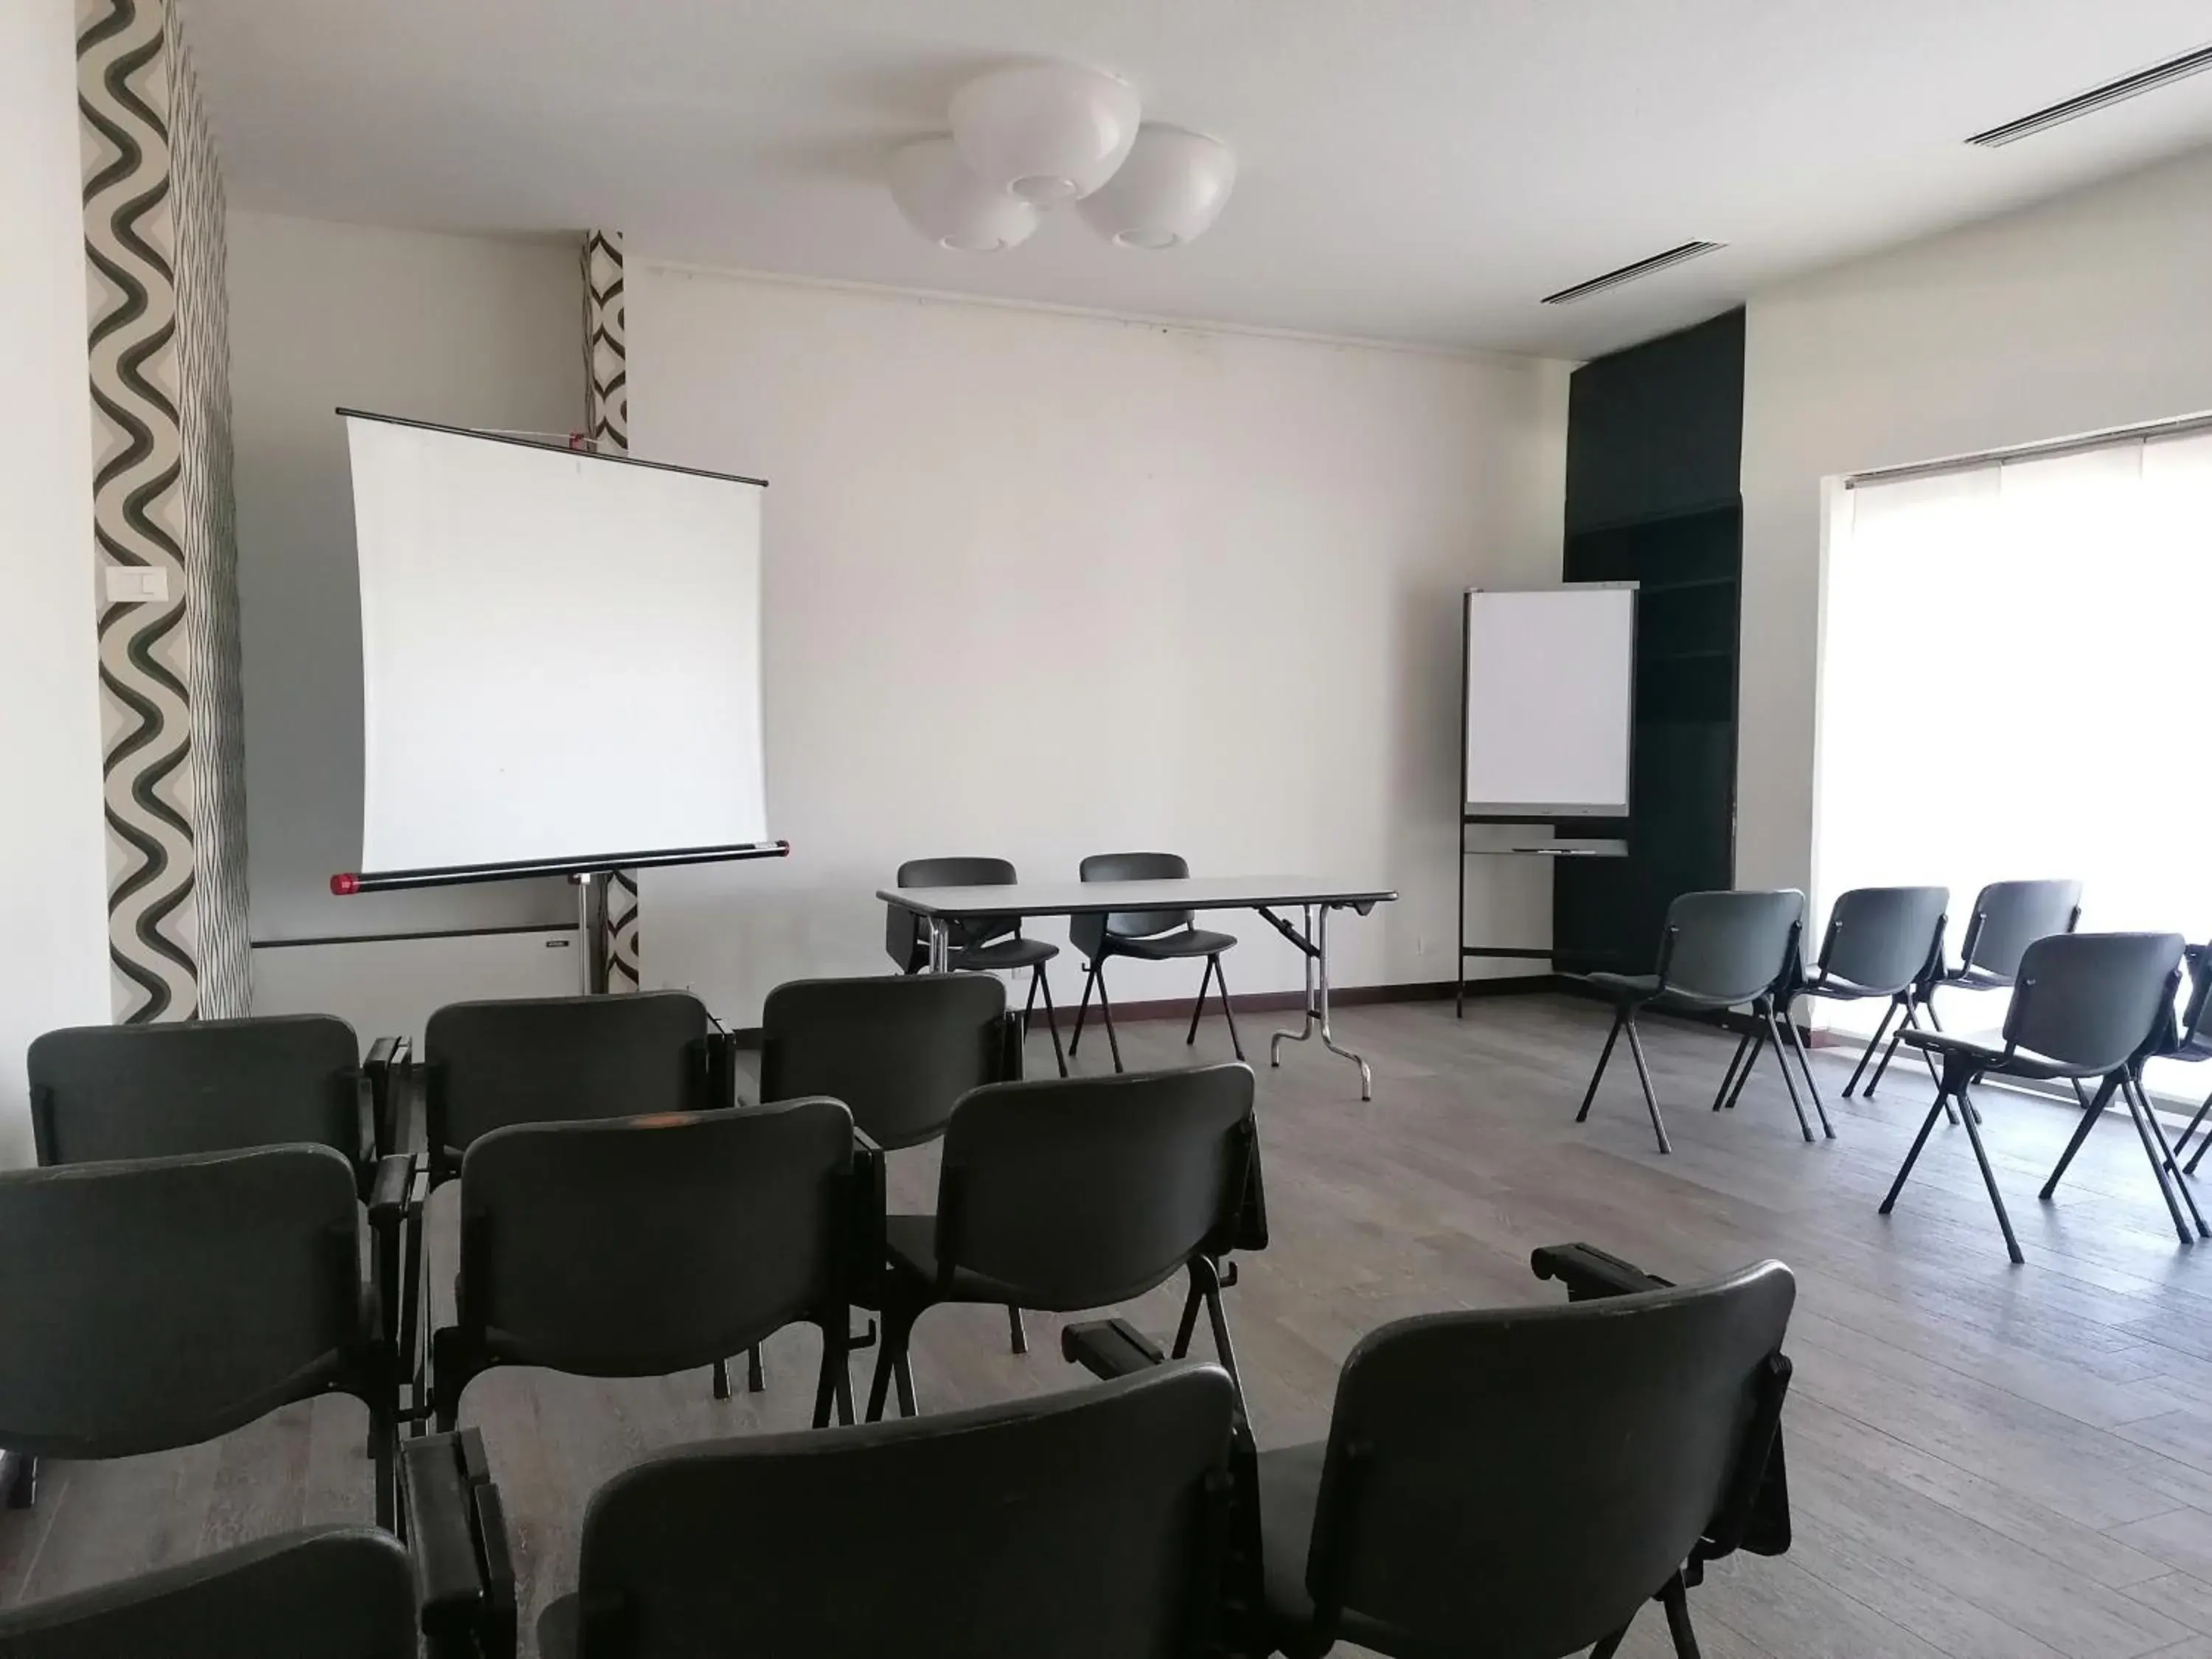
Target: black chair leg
{"x": 893, "y": 1364}
{"x": 1643, "y": 1077}
{"x": 23, "y": 1482}
{"x": 1759, "y": 1036}
{"x": 1675, "y": 1599}
{"x": 1728, "y": 1077}
{"x": 1198, "y": 1008}
{"x": 1805, "y": 1064}
{"x": 755, "y": 1382}
{"x": 833, "y": 1386}
{"x": 1610, "y": 1645}
{"x": 1973, "y": 1121}
{"x": 1765, "y": 1012}
{"x": 1785, "y": 1042}
{"x": 1619, "y": 1018}
{"x": 2195, "y": 1123}
{"x": 1015, "y": 1334}
{"x": 721, "y": 1384}
{"x": 2161, "y": 1160}
{"x": 1873, "y": 1043}
{"x": 384, "y": 1445}
{"x": 1191, "y": 1302}
{"x": 2158, "y": 1134}
{"x": 2091, "y": 1111}
{"x": 1228, "y": 1013}
{"x": 1889, "y": 1202}
{"x": 1208, "y": 1281}
{"x": 1090, "y": 974}
{"x": 1039, "y": 983}
{"x": 1106, "y": 1010}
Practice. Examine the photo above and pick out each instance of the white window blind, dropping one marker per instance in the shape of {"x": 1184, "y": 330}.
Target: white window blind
{"x": 2013, "y": 678}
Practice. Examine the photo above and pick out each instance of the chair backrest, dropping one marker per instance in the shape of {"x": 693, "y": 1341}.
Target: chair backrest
{"x": 1724, "y": 948}
{"x": 907, "y": 941}
{"x": 322, "y": 1592}
{"x": 2011, "y": 915}
{"x": 1883, "y": 939}
{"x": 1518, "y": 1481}
{"x": 1086, "y": 1191}
{"x": 2091, "y": 1000}
{"x": 641, "y": 1246}
{"x": 161, "y": 1302}
{"x": 548, "y": 1059}
{"x": 1074, "y": 1524}
{"x": 898, "y": 1051}
{"x": 111, "y": 1091}
{"x": 1086, "y": 932}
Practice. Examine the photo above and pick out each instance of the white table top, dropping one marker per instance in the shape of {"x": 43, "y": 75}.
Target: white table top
{"x": 1072, "y": 898}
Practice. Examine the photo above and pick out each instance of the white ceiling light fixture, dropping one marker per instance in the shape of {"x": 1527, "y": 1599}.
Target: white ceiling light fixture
{"x": 1171, "y": 189}
{"x": 944, "y": 200}
{"x": 1045, "y": 133}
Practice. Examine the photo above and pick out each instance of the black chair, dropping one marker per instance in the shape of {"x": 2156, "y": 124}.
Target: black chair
{"x": 320, "y": 1593}
{"x": 1719, "y": 950}
{"x": 2191, "y": 1039}
{"x": 103, "y": 1092}
{"x": 1084, "y": 1525}
{"x": 111, "y": 1091}
{"x": 159, "y": 1303}
{"x": 2008, "y": 917}
{"x": 1881, "y": 942}
{"x": 1519, "y": 1482}
{"x": 1147, "y": 936}
{"x": 899, "y": 1052}
{"x": 1077, "y": 1194}
{"x": 987, "y": 945}
{"x": 641, "y": 1246}
{"x": 487, "y": 1066}
{"x": 2083, "y": 1005}
{"x": 549, "y": 1059}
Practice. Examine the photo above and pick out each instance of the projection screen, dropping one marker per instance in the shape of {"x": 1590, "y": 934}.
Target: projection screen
{"x": 559, "y": 652}
{"x": 1550, "y": 707}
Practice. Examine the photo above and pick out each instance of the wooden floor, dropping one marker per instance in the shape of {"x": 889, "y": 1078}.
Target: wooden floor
{"x": 1985, "y": 1459}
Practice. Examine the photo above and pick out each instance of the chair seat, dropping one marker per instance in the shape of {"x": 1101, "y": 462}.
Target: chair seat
{"x": 1169, "y": 947}
{"x": 1005, "y": 953}
{"x": 1290, "y": 1488}
{"x": 1839, "y": 989}
{"x": 1625, "y": 987}
{"x": 1987, "y": 1050}
{"x": 911, "y": 1243}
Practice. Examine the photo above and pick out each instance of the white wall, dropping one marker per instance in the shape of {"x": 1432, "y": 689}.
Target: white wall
{"x": 469, "y": 330}
{"x": 2091, "y": 311}
{"x": 1041, "y": 585}
{"x": 54, "y": 905}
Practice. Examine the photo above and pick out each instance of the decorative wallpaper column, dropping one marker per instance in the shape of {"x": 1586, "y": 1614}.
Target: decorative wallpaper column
{"x": 606, "y": 421}
{"x": 158, "y": 358}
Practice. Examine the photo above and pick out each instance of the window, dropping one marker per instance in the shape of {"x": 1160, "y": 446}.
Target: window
{"x": 2016, "y": 671}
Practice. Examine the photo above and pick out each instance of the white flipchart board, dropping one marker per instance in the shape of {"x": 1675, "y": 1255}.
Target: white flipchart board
{"x": 1550, "y": 696}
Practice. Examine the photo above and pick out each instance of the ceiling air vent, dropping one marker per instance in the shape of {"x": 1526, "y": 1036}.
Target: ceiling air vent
{"x": 1673, "y": 256}
{"x": 2097, "y": 98}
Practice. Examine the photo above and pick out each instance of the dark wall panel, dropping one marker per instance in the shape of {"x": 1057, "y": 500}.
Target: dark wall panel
{"x": 1655, "y": 439}
{"x": 1657, "y": 428}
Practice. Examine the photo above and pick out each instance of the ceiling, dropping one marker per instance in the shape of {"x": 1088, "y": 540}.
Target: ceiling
{"x": 1419, "y": 170}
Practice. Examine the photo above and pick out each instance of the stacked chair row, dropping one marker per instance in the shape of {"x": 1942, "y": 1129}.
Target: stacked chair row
{"x": 192, "y": 1258}
{"x": 1470, "y": 1494}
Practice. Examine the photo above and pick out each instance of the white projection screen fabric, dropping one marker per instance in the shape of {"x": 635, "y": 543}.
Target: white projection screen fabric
{"x": 559, "y": 652}
{"x": 1551, "y": 677}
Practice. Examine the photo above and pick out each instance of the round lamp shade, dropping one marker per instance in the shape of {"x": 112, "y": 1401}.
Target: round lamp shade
{"x": 1044, "y": 132}
{"x": 1171, "y": 189}
{"x": 948, "y": 204}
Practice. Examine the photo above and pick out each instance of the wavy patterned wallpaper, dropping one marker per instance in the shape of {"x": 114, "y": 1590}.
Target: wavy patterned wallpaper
{"x": 169, "y": 667}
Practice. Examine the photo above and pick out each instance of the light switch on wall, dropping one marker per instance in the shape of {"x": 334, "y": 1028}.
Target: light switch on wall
{"x": 136, "y": 584}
